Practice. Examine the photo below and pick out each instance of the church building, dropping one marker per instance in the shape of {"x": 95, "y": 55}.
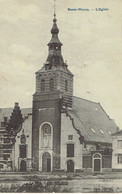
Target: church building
{"x": 61, "y": 132}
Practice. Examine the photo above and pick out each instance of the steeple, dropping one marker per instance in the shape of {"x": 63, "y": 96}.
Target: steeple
{"x": 55, "y": 58}
{"x": 54, "y": 32}
{"x": 54, "y": 77}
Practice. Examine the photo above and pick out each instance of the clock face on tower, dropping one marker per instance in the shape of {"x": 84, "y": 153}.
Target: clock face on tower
{"x": 46, "y": 129}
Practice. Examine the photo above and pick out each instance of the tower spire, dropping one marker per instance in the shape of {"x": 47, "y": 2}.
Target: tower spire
{"x": 54, "y": 56}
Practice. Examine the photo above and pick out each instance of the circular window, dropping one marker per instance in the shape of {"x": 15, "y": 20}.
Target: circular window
{"x": 46, "y": 129}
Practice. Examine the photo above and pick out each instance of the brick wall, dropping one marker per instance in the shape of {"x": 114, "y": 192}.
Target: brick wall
{"x": 51, "y": 114}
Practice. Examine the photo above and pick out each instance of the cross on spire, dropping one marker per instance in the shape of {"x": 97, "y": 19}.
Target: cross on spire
{"x": 54, "y": 8}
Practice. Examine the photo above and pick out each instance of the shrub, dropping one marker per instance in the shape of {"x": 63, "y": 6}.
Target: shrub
{"x": 34, "y": 187}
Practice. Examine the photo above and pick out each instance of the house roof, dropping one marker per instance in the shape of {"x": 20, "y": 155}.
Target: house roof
{"x": 118, "y": 133}
{"x": 92, "y": 121}
{"x": 6, "y": 112}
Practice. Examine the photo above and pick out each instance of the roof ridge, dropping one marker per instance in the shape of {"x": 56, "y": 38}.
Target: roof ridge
{"x": 118, "y": 132}
{"x": 106, "y": 113}
{"x": 87, "y": 100}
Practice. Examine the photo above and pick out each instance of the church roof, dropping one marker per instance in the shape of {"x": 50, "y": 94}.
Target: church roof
{"x": 88, "y": 117}
{"x": 92, "y": 121}
{"x": 60, "y": 68}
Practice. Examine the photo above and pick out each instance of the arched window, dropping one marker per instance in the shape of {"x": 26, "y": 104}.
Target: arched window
{"x": 51, "y": 84}
{"x": 66, "y": 86}
{"x": 42, "y": 85}
{"x": 46, "y": 137}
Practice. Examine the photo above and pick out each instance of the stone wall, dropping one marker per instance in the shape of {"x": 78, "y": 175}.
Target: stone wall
{"x": 67, "y": 129}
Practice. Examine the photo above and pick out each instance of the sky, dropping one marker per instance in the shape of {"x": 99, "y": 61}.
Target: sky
{"x": 91, "y": 46}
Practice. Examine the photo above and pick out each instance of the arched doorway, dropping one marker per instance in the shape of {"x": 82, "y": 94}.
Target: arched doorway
{"x": 46, "y": 162}
{"x": 23, "y": 167}
{"x": 97, "y": 162}
{"x": 70, "y": 166}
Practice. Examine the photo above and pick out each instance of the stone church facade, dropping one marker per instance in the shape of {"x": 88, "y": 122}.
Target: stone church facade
{"x": 61, "y": 132}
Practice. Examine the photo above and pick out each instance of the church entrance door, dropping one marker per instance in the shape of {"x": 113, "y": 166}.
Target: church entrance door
{"x": 46, "y": 162}
{"x": 70, "y": 166}
{"x": 23, "y": 167}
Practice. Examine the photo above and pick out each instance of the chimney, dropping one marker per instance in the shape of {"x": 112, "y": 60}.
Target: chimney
{"x": 16, "y": 104}
{"x": 5, "y": 119}
{"x": 117, "y": 129}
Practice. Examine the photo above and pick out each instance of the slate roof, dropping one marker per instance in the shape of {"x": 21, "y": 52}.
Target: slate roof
{"x": 118, "y": 133}
{"x": 59, "y": 68}
{"x": 90, "y": 118}
{"x": 55, "y": 40}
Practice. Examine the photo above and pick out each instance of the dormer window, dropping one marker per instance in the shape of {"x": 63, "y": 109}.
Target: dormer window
{"x": 42, "y": 85}
{"x": 47, "y": 65}
{"x": 66, "y": 86}
{"x": 51, "y": 47}
{"x": 51, "y": 84}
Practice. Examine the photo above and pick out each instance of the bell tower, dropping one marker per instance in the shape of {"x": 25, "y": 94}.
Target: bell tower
{"x": 54, "y": 90}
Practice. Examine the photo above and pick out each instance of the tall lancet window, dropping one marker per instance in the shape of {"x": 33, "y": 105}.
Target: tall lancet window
{"x": 42, "y": 85}
{"x": 51, "y": 84}
{"x": 66, "y": 85}
{"x": 46, "y": 136}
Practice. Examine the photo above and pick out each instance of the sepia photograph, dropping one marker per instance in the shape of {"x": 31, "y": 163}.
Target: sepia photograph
{"x": 60, "y": 96}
